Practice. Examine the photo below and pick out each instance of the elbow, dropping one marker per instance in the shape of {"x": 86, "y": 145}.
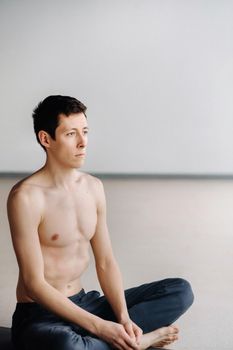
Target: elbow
{"x": 106, "y": 265}
{"x": 33, "y": 287}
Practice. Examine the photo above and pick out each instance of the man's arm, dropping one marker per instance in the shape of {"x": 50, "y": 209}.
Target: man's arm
{"x": 107, "y": 268}
{"x": 24, "y": 213}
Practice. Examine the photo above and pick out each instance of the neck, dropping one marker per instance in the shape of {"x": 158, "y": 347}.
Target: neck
{"x": 59, "y": 176}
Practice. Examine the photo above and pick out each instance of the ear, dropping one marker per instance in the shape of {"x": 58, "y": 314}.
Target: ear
{"x": 44, "y": 138}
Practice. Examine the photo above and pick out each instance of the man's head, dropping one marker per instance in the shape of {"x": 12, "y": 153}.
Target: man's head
{"x": 46, "y": 115}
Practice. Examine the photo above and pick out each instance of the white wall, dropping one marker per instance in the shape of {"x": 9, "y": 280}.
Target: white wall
{"x": 156, "y": 75}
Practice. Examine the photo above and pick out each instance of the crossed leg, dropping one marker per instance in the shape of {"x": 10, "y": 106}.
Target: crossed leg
{"x": 154, "y": 307}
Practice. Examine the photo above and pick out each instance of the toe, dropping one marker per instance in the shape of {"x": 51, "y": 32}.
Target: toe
{"x": 172, "y": 330}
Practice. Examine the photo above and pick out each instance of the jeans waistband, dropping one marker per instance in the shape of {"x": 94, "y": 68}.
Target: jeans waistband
{"x": 31, "y": 305}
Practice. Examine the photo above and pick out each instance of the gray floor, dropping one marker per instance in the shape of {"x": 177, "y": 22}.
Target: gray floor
{"x": 161, "y": 228}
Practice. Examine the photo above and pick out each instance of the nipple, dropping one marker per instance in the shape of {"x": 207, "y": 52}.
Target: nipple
{"x": 55, "y": 236}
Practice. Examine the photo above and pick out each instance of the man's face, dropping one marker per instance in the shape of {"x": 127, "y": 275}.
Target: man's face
{"x": 69, "y": 147}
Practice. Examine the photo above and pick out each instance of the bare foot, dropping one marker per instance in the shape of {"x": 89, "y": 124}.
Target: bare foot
{"x": 159, "y": 337}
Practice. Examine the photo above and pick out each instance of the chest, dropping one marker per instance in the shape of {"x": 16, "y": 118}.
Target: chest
{"x": 68, "y": 218}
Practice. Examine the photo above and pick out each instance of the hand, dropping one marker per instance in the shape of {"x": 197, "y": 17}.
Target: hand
{"x": 133, "y": 330}
{"x": 117, "y": 335}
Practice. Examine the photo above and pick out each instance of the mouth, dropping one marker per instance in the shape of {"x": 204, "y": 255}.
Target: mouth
{"x": 80, "y": 155}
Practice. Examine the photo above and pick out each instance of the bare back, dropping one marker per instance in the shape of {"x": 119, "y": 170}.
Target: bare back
{"x": 67, "y": 224}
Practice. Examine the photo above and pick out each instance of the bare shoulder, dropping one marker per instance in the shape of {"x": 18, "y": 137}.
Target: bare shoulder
{"x": 95, "y": 186}
{"x": 93, "y": 182}
{"x": 25, "y": 191}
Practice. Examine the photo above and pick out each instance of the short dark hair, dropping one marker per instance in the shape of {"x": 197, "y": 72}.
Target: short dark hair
{"x": 46, "y": 114}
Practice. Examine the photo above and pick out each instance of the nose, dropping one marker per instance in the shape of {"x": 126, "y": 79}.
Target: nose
{"x": 82, "y": 141}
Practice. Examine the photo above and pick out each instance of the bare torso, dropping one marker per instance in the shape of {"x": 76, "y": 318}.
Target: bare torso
{"x": 68, "y": 222}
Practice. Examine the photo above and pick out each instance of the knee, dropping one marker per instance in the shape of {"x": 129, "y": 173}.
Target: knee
{"x": 65, "y": 339}
{"x": 185, "y": 294}
{"x": 56, "y": 337}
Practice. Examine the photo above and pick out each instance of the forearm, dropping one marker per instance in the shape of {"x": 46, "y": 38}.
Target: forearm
{"x": 111, "y": 283}
{"x": 49, "y": 297}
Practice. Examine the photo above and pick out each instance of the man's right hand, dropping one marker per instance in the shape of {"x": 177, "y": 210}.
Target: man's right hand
{"x": 116, "y": 335}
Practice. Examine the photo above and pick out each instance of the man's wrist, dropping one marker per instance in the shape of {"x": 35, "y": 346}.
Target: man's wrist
{"x": 124, "y": 318}
{"x": 95, "y": 325}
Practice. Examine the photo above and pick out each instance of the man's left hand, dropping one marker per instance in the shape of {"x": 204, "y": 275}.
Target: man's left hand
{"x": 133, "y": 330}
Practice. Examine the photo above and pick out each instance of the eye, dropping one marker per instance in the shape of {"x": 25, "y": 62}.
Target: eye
{"x": 70, "y": 133}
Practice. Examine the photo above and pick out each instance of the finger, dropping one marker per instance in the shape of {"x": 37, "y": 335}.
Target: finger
{"x": 138, "y": 331}
{"x": 130, "y": 343}
{"x": 129, "y": 329}
{"x": 138, "y": 334}
{"x": 122, "y": 344}
{"x": 119, "y": 344}
{"x": 129, "y": 340}
{"x": 118, "y": 347}
{"x": 128, "y": 347}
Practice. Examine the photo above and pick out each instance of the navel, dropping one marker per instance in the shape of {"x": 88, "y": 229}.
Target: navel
{"x": 55, "y": 236}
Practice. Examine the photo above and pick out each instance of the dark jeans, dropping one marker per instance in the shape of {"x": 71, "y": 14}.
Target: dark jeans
{"x": 151, "y": 306}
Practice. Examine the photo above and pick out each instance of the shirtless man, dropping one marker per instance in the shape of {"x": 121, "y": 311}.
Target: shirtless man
{"x": 55, "y": 215}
